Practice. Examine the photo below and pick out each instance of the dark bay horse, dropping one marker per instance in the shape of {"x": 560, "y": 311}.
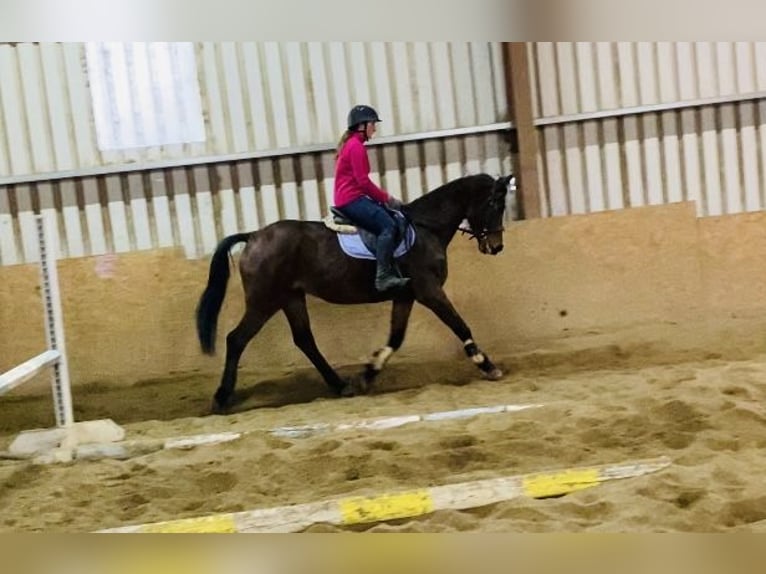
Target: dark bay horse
{"x": 288, "y": 259}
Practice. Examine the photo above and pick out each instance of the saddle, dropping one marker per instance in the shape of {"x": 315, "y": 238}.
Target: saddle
{"x": 346, "y": 229}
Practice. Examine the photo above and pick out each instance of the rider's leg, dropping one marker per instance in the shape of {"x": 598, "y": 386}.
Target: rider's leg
{"x": 372, "y": 216}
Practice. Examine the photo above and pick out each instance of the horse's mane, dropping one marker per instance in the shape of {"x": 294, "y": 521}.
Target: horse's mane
{"x": 427, "y": 208}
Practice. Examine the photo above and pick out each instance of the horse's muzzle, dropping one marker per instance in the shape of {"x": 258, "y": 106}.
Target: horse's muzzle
{"x": 491, "y": 243}
{"x": 489, "y": 248}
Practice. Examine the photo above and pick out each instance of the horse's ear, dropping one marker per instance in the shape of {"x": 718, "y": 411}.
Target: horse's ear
{"x": 505, "y": 181}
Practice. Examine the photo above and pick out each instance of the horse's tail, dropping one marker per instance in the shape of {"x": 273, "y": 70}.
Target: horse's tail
{"x": 212, "y": 298}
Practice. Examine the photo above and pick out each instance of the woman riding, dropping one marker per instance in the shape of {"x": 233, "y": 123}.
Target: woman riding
{"x": 363, "y": 202}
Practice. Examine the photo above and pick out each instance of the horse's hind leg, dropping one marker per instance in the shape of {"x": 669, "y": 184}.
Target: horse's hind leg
{"x": 300, "y": 325}
{"x": 400, "y": 316}
{"x": 236, "y": 341}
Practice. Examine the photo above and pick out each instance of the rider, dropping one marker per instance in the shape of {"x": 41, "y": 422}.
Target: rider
{"x": 359, "y": 199}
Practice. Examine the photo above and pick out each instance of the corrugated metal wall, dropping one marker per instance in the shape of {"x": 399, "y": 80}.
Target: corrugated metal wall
{"x": 257, "y": 98}
{"x": 194, "y": 207}
{"x": 627, "y": 124}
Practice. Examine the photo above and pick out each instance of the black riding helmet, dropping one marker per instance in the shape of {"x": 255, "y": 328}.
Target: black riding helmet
{"x": 361, "y": 115}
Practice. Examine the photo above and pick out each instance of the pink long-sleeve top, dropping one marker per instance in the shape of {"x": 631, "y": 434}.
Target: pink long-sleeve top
{"x": 352, "y": 174}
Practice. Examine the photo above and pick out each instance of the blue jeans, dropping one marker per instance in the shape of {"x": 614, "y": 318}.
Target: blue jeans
{"x": 373, "y": 217}
{"x": 370, "y": 215}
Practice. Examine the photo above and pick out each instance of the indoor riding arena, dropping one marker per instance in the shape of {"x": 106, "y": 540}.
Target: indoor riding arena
{"x": 627, "y": 310}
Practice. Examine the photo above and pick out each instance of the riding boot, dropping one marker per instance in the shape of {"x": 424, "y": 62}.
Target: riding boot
{"x": 386, "y": 276}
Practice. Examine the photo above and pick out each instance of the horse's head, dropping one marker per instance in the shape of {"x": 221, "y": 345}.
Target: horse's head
{"x": 485, "y": 216}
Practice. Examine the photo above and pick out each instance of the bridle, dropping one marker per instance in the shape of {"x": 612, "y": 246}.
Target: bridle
{"x": 480, "y": 235}
{"x": 485, "y": 231}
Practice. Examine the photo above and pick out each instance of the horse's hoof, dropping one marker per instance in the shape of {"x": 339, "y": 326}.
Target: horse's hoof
{"x": 370, "y": 373}
{"x": 219, "y": 408}
{"x": 494, "y": 375}
{"x": 355, "y": 388}
{"x": 347, "y": 390}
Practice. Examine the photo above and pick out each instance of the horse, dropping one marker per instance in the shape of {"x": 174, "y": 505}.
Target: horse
{"x": 289, "y": 259}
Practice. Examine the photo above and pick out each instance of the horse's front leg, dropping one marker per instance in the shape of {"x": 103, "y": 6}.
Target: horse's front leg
{"x": 437, "y": 301}
{"x": 400, "y": 316}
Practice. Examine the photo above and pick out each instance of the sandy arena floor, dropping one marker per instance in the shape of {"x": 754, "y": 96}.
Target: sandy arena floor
{"x": 607, "y": 399}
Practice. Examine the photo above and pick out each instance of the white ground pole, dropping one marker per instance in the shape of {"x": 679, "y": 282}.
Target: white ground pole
{"x": 93, "y": 449}
{"x": 55, "y": 355}
{"x": 394, "y": 505}
{"x": 61, "y": 441}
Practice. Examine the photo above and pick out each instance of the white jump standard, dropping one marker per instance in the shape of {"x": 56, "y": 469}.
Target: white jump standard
{"x": 58, "y": 443}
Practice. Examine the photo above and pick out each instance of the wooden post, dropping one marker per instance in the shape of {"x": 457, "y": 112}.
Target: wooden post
{"x": 519, "y": 91}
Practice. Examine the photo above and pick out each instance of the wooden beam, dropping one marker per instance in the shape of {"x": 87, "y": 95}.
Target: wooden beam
{"x": 519, "y": 89}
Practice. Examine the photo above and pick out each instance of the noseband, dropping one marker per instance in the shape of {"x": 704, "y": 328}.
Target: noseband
{"x": 480, "y": 235}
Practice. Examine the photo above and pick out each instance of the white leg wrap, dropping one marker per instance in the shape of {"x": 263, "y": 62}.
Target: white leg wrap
{"x": 478, "y": 358}
{"x": 381, "y": 357}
